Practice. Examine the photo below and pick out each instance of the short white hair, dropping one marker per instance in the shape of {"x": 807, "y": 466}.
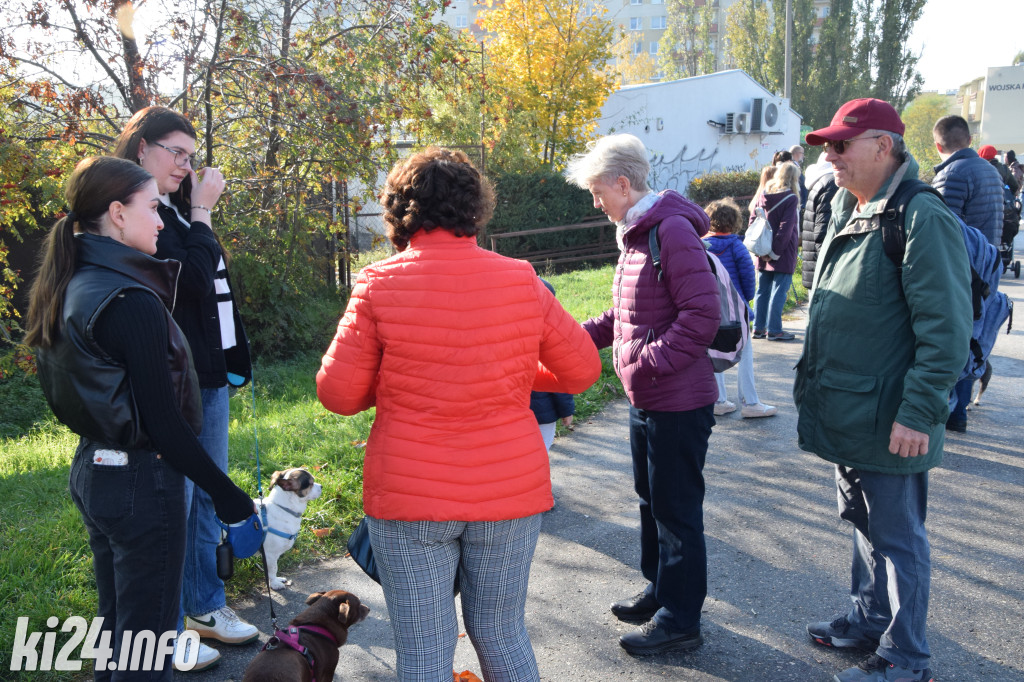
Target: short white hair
{"x": 609, "y": 157}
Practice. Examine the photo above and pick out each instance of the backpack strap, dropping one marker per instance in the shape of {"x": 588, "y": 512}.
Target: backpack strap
{"x": 655, "y": 248}
{"x": 894, "y": 217}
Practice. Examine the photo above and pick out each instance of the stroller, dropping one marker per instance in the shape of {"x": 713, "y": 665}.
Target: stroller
{"x": 1011, "y": 225}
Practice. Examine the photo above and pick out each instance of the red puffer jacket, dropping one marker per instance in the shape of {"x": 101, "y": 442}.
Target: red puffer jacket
{"x": 447, "y": 340}
{"x": 660, "y": 329}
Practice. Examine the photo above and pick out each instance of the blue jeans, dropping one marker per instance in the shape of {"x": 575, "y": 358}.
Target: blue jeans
{"x": 135, "y": 516}
{"x": 770, "y": 299}
{"x": 962, "y": 397}
{"x": 202, "y": 591}
{"x": 668, "y": 474}
{"x": 417, "y": 561}
{"x": 891, "y": 574}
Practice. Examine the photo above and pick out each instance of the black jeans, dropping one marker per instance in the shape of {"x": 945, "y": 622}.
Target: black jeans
{"x": 135, "y": 515}
{"x": 668, "y": 472}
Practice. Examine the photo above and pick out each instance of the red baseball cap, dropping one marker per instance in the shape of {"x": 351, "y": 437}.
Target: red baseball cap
{"x": 858, "y": 116}
{"x": 988, "y": 152}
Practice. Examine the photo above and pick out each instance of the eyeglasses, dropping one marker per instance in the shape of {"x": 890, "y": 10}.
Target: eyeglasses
{"x": 839, "y": 146}
{"x": 183, "y": 158}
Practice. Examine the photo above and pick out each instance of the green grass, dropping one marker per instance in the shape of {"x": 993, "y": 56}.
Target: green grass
{"x": 45, "y": 561}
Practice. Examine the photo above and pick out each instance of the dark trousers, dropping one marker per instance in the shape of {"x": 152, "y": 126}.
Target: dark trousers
{"x": 135, "y": 516}
{"x": 668, "y": 472}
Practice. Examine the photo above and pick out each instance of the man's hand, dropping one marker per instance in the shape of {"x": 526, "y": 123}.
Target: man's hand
{"x": 907, "y": 442}
{"x": 567, "y": 422}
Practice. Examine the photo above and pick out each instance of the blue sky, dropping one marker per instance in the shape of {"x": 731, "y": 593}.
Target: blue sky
{"x": 961, "y": 39}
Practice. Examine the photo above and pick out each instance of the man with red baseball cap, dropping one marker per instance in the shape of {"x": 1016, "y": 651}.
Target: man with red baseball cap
{"x": 873, "y": 384}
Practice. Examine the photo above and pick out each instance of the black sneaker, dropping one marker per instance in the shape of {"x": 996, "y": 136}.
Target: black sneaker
{"x": 638, "y": 609}
{"x": 874, "y": 668}
{"x": 837, "y": 634}
{"x": 652, "y": 638}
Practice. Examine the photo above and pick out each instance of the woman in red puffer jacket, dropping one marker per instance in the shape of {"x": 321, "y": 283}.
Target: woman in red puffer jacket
{"x": 447, "y": 340}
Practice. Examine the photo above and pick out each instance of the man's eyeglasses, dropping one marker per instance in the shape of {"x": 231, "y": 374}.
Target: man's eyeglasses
{"x": 839, "y": 146}
{"x": 182, "y": 158}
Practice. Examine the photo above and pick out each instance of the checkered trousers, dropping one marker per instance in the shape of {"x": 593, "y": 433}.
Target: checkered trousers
{"x": 417, "y": 562}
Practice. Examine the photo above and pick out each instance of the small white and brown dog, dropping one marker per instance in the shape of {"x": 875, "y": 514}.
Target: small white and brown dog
{"x": 290, "y": 492}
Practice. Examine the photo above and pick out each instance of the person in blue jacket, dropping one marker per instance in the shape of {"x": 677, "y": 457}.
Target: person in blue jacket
{"x": 550, "y": 408}
{"x": 723, "y": 241}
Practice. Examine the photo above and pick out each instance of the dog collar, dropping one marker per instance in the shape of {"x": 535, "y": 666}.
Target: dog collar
{"x": 290, "y": 638}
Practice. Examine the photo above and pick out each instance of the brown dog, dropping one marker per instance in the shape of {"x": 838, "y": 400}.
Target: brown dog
{"x": 334, "y": 612}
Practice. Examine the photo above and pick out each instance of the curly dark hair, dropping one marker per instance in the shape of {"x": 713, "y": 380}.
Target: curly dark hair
{"x": 435, "y": 188}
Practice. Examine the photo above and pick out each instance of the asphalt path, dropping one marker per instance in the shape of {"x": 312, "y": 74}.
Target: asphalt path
{"x": 778, "y": 555}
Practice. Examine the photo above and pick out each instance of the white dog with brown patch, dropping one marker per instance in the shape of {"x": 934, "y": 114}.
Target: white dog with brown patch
{"x": 290, "y": 492}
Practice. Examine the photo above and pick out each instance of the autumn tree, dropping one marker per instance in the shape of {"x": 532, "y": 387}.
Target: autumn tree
{"x": 628, "y": 66}
{"x": 685, "y": 48}
{"x": 291, "y": 98}
{"x": 756, "y": 40}
{"x": 831, "y": 81}
{"x": 548, "y": 57}
{"x": 883, "y": 59}
{"x": 919, "y": 117}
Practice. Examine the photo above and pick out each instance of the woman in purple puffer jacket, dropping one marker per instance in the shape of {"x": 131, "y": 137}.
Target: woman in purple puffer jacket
{"x": 659, "y": 330}
{"x": 781, "y": 201}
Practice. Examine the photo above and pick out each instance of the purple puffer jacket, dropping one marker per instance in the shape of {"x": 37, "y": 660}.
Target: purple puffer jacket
{"x": 660, "y": 331}
{"x": 785, "y": 222}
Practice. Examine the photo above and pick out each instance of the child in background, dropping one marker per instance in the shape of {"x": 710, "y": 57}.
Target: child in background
{"x": 549, "y": 408}
{"x": 723, "y": 241}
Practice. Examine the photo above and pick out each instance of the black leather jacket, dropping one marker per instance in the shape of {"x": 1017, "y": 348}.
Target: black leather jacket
{"x": 87, "y": 390}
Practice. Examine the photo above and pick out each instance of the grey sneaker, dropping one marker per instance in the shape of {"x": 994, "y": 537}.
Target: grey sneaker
{"x": 874, "y": 668}
{"x": 837, "y": 633}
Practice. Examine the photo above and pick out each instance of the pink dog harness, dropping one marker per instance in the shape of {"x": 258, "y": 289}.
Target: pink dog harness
{"x": 291, "y": 640}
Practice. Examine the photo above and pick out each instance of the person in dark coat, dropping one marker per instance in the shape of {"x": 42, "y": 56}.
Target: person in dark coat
{"x": 968, "y": 184}
{"x": 821, "y": 188}
{"x": 988, "y": 152}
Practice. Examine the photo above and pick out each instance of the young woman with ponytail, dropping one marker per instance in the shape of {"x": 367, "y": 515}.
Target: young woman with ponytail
{"x": 115, "y": 368}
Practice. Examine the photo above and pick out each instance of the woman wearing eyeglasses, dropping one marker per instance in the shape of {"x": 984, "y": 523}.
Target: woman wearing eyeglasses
{"x": 163, "y": 142}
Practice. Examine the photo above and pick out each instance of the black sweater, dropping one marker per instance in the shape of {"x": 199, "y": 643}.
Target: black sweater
{"x": 133, "y": 330}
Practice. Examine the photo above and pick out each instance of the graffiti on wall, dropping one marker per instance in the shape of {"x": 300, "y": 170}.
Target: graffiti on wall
{"x": 677, "y": 173}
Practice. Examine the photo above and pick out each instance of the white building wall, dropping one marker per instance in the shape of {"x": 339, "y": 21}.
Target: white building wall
{"x": 672, "y": 119}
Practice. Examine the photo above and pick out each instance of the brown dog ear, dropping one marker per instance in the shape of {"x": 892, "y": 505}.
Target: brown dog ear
{"x": 313, "y": 597}
{"x": 273, "y": 479}
{"x": 343, "y": 612}
{"x": 280, "y": 479}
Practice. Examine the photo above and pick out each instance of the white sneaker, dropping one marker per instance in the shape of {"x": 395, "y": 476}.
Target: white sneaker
{"x": 223, "y": 625}
{"x": 724, "y": 407}
{"x": 758, "y": 410}
{"x": 206, "y": 658}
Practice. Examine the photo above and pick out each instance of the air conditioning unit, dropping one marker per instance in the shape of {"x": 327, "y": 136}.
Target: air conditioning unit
{"x": 769, "y": 115}
{"x": 737, "y": 122}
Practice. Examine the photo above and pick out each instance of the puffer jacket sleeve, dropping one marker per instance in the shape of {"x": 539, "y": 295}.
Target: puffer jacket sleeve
{"x": 568, "y": 362}
{"x": 954, "y": 188}
{"x": 601, "y": 328}
{"x": 744, "y": 269}
{"x": 694, "y": 292}
{"x": 347, "y": 380}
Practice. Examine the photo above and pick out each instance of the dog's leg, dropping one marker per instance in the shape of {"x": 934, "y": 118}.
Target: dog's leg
{"x": 276, "y": 581}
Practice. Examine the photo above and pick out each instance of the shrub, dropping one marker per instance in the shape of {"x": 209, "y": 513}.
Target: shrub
{"x": 281, "y": 317}
{"x": 531, "y": 200}
{"x": 740, "y": 185}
